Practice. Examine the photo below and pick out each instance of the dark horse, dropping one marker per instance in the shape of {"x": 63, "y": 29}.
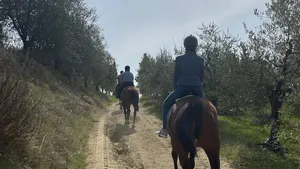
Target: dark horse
{"x": 192, "y": 123}
{"x": 118, "y": 97}
{"x": 130, "y": 96}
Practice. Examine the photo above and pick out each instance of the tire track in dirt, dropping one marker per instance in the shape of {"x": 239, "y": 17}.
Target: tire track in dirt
{"x": 100, "y": 148}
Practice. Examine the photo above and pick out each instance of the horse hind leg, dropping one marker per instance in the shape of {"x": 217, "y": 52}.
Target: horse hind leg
{"x": 124, "y": 110}
{"x": 134, "y": 114}
{"x": 211, "y": 146}
{"x": 125, "y": 114}
{"x": 128, "y": 113}
{"x": 184, "y": 160}
{"x": 175, "y": 158}
{"x": 192, "y": 160}
{"x": 214, "y": 158}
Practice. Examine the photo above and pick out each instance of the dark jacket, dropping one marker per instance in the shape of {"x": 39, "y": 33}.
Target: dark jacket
{"x": 119, "y": 78}
{"x": 189, "y": 70}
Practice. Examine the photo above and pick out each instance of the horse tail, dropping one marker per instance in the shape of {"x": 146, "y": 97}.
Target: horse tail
{"x": 135, "y": 99}
{"x": 191, "y": 115}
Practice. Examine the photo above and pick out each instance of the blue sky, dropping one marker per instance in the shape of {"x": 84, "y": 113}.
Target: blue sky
{"x": 133, "y": 27}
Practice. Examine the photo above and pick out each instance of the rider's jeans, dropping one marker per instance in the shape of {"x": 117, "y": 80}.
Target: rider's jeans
{"x": 180, "y": 91}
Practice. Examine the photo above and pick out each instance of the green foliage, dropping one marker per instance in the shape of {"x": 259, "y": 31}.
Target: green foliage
{"x": 228, "y": 66}
{"x": 241, "y": 75}
{"x": 144, "y": 74}
{"x": 155, "y": 75}
{"x": 276, "y": 42}
{"x": 62, "y": 34}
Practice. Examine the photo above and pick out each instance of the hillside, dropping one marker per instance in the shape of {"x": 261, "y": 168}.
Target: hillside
{"x": 53, "y": 64}
{"x": 66, "y": 115}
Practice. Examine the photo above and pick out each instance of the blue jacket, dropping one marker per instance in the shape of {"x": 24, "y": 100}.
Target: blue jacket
{"x": 189, "y": 70}
{"x": 127, "y": 77}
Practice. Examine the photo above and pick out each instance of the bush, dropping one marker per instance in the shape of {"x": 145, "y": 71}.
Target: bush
{"x": 18, "y": 113}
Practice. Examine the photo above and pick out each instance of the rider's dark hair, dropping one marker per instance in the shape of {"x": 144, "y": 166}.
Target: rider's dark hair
{"x": 190, "y": 43}
{"x": 127, "y": 68}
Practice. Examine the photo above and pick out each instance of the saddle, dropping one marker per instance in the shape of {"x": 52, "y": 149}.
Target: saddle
{"x": 184, "y": 97}
{"x": 125, "y": 88}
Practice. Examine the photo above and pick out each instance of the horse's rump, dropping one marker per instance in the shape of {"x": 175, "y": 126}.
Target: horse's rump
{"x": 185, "y": 121}
{"x": 192, "y": 122}
{"x": 130, "y": 95}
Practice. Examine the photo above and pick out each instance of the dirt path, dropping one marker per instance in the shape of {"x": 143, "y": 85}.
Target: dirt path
{"x": 101, "y": 154}
{"x": 125, "y": 146}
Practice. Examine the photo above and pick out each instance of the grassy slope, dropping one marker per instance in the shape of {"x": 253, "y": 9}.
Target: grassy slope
{"x": 239, "y": 137}
{"x": 68, "y": 117}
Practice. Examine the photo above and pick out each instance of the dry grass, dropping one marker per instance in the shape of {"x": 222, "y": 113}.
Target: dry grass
{"x": 19, "y": 112}
{"x": 66, "y": 116}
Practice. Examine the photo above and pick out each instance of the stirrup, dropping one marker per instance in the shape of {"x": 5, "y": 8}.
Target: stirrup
{"x": 163, "y": 136}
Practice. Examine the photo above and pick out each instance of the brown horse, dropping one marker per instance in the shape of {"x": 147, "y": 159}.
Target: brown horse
{"x": 192, "y": 123}
{"x": 130, "y": 96}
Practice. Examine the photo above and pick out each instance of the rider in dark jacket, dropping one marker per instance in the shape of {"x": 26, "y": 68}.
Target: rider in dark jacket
{"x": 188, "y": 78}
{"x": 118, "y": 85}
{"x": 119, "y": 77}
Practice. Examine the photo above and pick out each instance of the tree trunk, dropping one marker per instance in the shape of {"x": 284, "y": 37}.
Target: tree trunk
{"x": 24, "y": 57}
{"x": 272, "y": 98}
{"x": 276, "y": 101}
{"x": 25, "y": 47}
{"x": 276, "y": 107}
{"x": 85, "y": 83}
{"x": 74, "y": 79}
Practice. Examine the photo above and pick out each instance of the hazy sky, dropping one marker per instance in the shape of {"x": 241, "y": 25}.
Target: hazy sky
{"x": 133, "y": 27}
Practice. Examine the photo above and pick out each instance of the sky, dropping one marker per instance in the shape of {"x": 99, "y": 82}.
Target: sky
{"x": 134, "y": 27}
